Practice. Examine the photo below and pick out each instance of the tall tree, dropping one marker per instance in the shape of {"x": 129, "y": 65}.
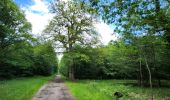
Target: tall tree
{"x": 71, "y": 25}
{"x": 20, "y": 53}
{"x": 15, "y": 40}
{"x": 13, "y": 25}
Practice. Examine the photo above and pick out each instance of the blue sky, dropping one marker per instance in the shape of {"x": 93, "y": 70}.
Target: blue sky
{"x": 38, "y": 15}
{"x": 28, "y": 2}
{"x": 24, "y": 2}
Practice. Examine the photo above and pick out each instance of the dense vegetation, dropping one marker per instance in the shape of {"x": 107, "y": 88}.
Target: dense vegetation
{"x": 21, "y": 54}
{"x": 141, "y": 52}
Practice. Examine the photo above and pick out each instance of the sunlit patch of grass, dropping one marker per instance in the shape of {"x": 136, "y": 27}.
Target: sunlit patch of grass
{"x": 21, "y": 88}
{"x": 104, "y": 90}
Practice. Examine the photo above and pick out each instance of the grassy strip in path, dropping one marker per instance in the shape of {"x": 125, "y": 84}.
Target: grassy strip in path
{"x": 21, "y": 88}
{"x": 104, "y": 90}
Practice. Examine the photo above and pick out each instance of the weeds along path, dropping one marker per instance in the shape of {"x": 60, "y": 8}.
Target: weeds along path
{"x": 54, "y": 90}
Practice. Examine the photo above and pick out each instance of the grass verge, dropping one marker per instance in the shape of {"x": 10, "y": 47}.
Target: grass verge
{"x": 104, "y": 90}
{"x": 21, "y": 88}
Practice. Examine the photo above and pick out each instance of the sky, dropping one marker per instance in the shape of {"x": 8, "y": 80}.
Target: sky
{"x": 38, "y": 15}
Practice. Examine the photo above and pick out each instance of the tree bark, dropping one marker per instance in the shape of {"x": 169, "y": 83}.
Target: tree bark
{"x": 70, "y": 47}
{"x": 71, "y": 70}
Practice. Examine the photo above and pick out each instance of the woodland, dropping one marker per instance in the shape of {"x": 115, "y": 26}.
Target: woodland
{"x": 141, "y": 52}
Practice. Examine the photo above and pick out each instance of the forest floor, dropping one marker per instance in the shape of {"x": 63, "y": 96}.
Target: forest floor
{"x": 54, "y": 90}
{"x": 105, "y": 89}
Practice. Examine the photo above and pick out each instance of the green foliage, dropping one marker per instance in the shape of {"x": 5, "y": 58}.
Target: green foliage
{"x": 14, "y": 39}
{"x": 111, "y": 61}
{"x": 78, "y": 61}
{"x": 27, "y": 60}
{"x": 118, "y": 60}
{"x": 144, "y": 27}
{"x": 71, "y": 25}
{"x": 13, "y": 25}
{"x": 45, "y": 61}
{"x": 135, "y": 17}
{"x": 20, "y": 53}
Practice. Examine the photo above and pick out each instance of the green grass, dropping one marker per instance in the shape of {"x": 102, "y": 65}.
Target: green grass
{"x": 104, "y": 90}
{"x": 21, "y": 88}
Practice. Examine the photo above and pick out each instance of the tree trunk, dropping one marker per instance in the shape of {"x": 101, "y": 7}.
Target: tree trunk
{"x": 70, "y": 47}
{"x": 159, "y": 82}
{"x": 157, "y": 6}
{"x": 150, "y": 76}
{"x": 140, "y": 70}
{"x": 140, "y": 66}
{"x": 71, "y": 73}
{"x": 71, "y": 70}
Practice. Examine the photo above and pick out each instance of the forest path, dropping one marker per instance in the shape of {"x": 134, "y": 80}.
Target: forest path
{"x": 54, "y": 90}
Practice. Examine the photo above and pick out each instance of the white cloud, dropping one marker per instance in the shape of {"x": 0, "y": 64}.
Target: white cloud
{"x": 38, "y": 15}
{"x": 40, "y": 5}
{"x": 65, "y": 0}
{"x": 106, "y": 32}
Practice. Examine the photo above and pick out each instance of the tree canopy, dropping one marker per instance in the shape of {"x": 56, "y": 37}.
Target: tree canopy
{"x": 71, "y": 25}
{"x": 21, "y": 54}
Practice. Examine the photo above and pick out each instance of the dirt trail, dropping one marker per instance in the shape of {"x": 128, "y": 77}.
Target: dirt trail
{"x": 54, "y": 90}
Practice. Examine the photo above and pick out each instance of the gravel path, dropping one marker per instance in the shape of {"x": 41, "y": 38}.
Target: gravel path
{"x": 54, "y": 90}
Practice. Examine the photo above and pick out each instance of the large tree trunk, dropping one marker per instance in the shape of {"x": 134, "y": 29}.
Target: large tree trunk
{"x": 70, "y": 47}
{"x": 71, "y": 71}
{"x": 71, "y": 67}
